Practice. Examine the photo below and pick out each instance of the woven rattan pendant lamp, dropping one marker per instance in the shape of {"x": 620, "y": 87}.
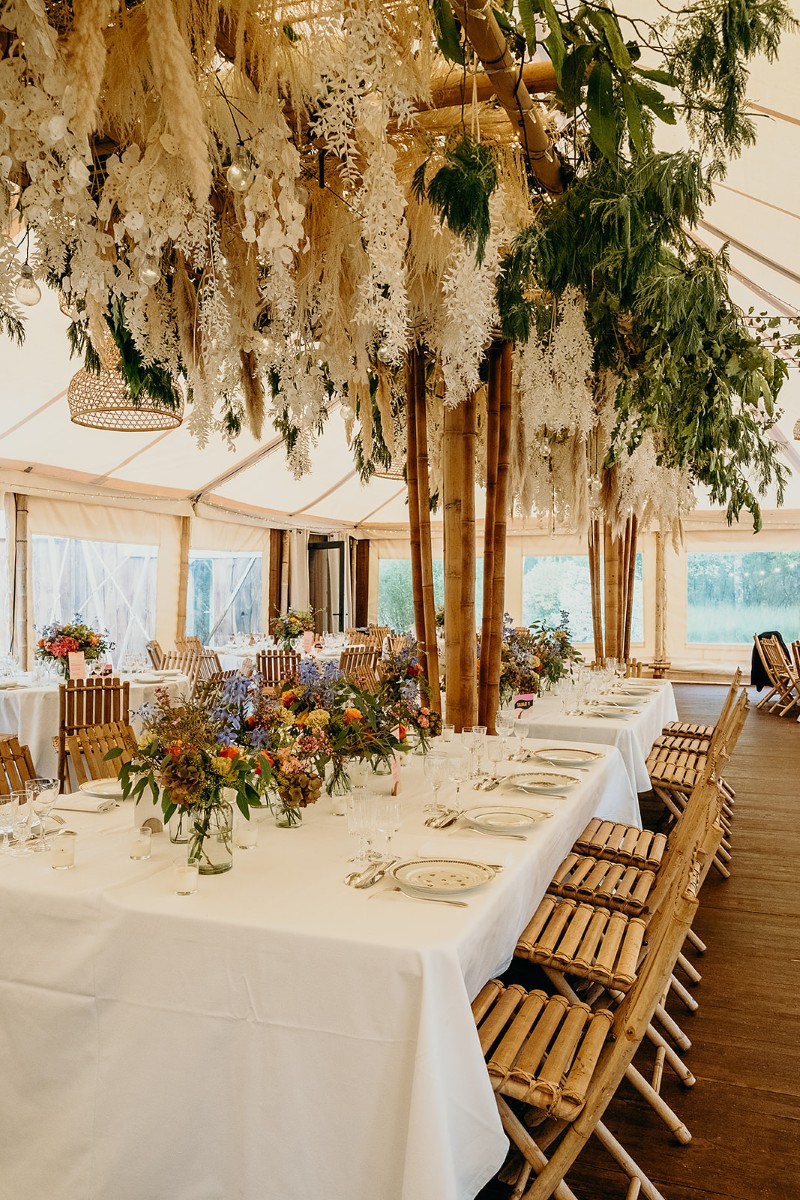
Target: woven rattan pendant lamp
{"x": 102, "y": 400}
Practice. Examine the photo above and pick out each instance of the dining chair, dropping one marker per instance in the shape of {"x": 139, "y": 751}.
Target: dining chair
{"x": 208, "y": 666}
{"x": 93, "y": 701}
{"x": 155, "y": 654}
{"x": 353, "y": 636}
{"x": 784, "y": 684}
{"x": 355, "y": 657}
{"x": 185, "y": 661}
{"x": 366, "y": 678}
{"x": 16, "y": 765}
{"x": 276, "y": 666}
{"x": 559, "y": 1062}
{"x": 88, "y": 746}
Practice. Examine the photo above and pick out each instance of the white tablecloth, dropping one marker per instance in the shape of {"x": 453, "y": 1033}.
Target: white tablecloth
{"x": 275, "y": 1035}
{"x": 31, "y": 713}
{"x": 633, "y": 735}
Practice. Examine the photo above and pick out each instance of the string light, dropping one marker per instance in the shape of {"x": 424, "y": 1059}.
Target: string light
{"x": 27, "y": 290}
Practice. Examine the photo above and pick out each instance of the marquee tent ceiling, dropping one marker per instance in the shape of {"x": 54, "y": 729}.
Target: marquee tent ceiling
{"x": 757, "y": 211}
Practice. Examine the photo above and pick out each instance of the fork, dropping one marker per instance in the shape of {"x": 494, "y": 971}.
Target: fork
{"x": 424, "y": 899}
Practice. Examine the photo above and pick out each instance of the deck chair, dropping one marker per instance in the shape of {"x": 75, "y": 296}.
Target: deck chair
{"x": 555, "y": 1063}
{"x": 689, "y": 734}
{"x": 355, "y": 657}
{"x": 784, "y": 682}
{"x": 155, "y": 654}
{"x": 16, "y": 765}
{"x": 81, "y": 702}
{"x": 276, "y": 666}
{"x": 87, "y": 747}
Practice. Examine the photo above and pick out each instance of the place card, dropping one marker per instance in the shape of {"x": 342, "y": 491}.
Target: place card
{"x": 77, "y": 665}
{"x": 524, "y": 700}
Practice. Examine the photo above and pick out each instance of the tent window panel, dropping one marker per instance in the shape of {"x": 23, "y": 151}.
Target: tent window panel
{"x": 396, "y": 596}
{"x": 556, "y": 583}
{"x": 5, "y": 586}
{"x": 224, "y": 596}
{"x": 109, "y": 585}
{"x": 733, "y": 596}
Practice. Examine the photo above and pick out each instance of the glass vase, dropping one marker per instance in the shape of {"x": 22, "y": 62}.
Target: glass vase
{"x": 179, "y": 826}
{"x": 288, "y": 816}
{"x": 211, "y": 838}
{"x": 338, "y": 782}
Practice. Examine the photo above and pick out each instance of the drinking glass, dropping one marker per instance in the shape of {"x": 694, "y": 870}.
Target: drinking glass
{"x": 459, "y": 771}
{"x": 388, "y": 820}
{"x": 520, "y": 733}
{"x": 479, "y": 734}
{"x": 505, "y": 727}
{"x": 8, "y": 807}
{"x": 41, "y": 796}
{"x": 357, "y": 823}
{"x": 22, "y": 826}
{"x": 436, "y": 772}
{"x": 494, "y": 752}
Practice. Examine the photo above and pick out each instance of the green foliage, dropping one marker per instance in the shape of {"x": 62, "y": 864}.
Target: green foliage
{"x": 143, "y": 379}
{"x": 368, "y": 459}
{"x": 448, "y": 32}
{"x": 11, "y": 323}
{"x": 461, "y": 189}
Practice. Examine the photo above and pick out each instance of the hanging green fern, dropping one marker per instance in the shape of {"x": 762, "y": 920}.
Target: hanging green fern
{"x": 461, "y": 189}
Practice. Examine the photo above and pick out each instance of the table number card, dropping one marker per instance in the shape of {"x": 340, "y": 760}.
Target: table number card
{"x": 77, "y": 665}
{"x": 524, "y": 700}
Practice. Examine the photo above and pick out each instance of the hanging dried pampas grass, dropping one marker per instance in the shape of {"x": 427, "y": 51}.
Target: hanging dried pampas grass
{"x": 173, "y": 72}
{"x": 86, "y": 63}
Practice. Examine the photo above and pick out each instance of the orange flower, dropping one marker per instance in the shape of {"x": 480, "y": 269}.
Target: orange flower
{"x": 300, "y": 719}
{"x": 41, "y": 641}
{"x": 175, "y": 748}
{"x": 288, "y": 699}
{"x": 351, "y": 715}
{"x": 228, "y": 752}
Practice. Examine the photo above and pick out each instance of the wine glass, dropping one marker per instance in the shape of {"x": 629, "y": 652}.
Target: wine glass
{"x": 504, "y": 726}
{"x": 494, "y": 752}
{"x": 520, "y": 733}
{"x": 436, "y": 771}
{"x": 22, "y": 826}
{"x": 7, "y": 807}
{"x": 41, "y": 795}
{"x": 388, "y": 820}
{"x": 357, "y": 822}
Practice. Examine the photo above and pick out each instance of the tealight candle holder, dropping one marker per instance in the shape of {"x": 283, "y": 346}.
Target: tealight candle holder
{"x": 185, "y": 877}
{"x": 62, "y": 850}
{"x": 140, "y": 847}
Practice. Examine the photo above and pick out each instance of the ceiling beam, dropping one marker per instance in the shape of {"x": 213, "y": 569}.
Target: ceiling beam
{"x": 765, "y": 261}
{"x": 456, "y": 88}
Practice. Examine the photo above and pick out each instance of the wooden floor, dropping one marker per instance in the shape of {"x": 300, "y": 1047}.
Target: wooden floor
{"x": 744, "y": 1110}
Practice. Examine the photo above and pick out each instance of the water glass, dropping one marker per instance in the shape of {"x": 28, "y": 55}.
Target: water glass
{"x": 245, "y": 834}
{"x": 22, "y": 817}
{"x": 388, "y": 817}
{"x": 7, "y": 807}
{"x": 437, "y": 770}
{"x": 495, "y": 752}
{"x": 140, "y": 846}
{"x": 41, "y": 795}
{"x": 185, "y": 873}
{"x": 448, "y": 732}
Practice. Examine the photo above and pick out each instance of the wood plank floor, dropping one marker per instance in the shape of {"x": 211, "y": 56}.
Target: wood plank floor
{"x": 744, "y": 1110}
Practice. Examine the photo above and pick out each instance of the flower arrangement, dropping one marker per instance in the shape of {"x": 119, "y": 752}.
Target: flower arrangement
{"x": 534, "y": 657}
{"x": 291, "y": 771}
{"x": 294, "y": 621}
{"x": 186, "y": 762}
{"x": 58, "y": 641}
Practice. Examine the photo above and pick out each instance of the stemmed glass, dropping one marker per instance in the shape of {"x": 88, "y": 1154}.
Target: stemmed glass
{"x": 8, "y": 805}
{"x": 436, "y": 772}
{"x": 358, "y": 823}
{"x": 459, "y": 771}
{"x": 41, "y": 796}
{"x": 504, "y": 726}
{"x": 388, "y": 820}
{"x": 494, "y": 752}
{"x": 22, "y": 826}
{"x": 520, "y": 733}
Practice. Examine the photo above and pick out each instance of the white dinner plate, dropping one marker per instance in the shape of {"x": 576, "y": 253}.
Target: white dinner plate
{"x": 441, "y": 876}
{"x": 495, "y": 818}
{"x": 601, "y": 710}
{"x": 6, "y": 684}
{"x": 172, "y": 673}
{"x": 565, "y": 756}
{"x": 642, "y": 692}
{"x": 148, "y": 678}
{"x": 543, "y": 781}
{"x": 619, "y": 700}
{"x": 108, "y": 788}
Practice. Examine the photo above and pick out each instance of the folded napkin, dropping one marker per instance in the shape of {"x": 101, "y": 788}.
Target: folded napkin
{"x": 86, "y": 802}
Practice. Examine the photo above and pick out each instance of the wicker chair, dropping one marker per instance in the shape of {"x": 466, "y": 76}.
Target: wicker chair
{"x": 82, "y": 702}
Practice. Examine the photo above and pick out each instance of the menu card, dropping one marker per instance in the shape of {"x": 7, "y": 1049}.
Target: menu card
{"x": 77, "y": 665}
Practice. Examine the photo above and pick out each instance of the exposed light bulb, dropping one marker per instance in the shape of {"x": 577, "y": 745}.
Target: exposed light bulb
{"x": 150, "y": 273}
{"x": 27, "y": 290}
{"x": 239, "y": 173}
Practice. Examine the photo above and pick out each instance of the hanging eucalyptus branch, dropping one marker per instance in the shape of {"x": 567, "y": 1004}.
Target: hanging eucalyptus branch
{"x": 461, "y": 189}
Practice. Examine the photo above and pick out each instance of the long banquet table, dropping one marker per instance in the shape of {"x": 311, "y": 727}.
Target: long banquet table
{"x": 277, "y": 1034}
{"x": 633, "y": 734}
{"x": 30, "y": 712}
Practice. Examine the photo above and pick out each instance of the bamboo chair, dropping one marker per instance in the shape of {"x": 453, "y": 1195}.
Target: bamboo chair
{"x": 355, "y": 657}
{"x": 562, "y": 1061}
{"x": 16, "y": 765}
{"x": 186, "y": 661}
{"x": 784, "y": 681}
{"x": 796, "y": 660}
{"x": 378, "y": 633}
{"x": 398, "y": 642}
{"x": 189, "y": 643}
{"x": 220, "y": 676}
{"x": 87, "y": 747}
{"x": 81, "y": 702}
{"x": 633, "y": 668}
{"x": 676, "y": 732}
{"x": 208, "y": 666}
{"x": 366, "y": 678}
{"x": 276, "y": 666}
{"x": 353, "y": 636}
{"x": 155, "y": 654}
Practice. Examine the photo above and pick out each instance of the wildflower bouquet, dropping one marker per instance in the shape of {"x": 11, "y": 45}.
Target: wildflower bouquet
{"x": 58, "y": 641}
{"x": 534, "y": 658}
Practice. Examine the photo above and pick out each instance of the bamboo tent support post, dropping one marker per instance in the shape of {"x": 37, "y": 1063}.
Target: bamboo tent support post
{"x": 468, "y": 667}
{"x": 632, "y": 538}
{"x": 492, "y": 443}
{"x": 20, "y": 642}
{"x": 413, "y": 500}
{"x": 499, "y": 537}
{"x": 595, "y": 582}
{"x": 426, "y": 555}
{"x": 611, "y": 582}
{"x": 183, "y": 578}
{"x": 661, "y": 662}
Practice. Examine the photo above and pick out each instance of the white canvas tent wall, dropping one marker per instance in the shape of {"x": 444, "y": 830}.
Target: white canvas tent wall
{"x": 105, "y": 485}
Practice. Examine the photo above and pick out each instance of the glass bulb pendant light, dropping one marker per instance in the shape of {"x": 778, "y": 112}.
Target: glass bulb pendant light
{"x": 239, "y": 174}
{"x": 150, "y": 273}
{"x": 27, "y": 290}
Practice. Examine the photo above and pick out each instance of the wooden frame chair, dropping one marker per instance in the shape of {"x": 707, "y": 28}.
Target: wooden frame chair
{"x": 16, "y": 765}
{"x": 94, "y": 701}
{"x": 276, "y": 666}
{"x": 208, "y": 666}
{"x": 155, "y": 654}
{"x": 784, "y": 691}
{"x": 186, "y": 661}
{"x": 355, "y": 657}
{"x": 87, "y": 747}
{"x": 564, "y": 1060}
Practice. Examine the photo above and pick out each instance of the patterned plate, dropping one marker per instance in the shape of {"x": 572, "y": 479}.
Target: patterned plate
{"x": 441, "y": 876}
{"x": 565, "y": 756}
{"x": 620, "y": 700}
{"x": 601, "y": 710}
{"x": 497, "y": 819}
{"x": 543, "y": 781}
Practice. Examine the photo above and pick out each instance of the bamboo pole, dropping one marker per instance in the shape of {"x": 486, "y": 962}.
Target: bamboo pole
{"x": 499, "y": 535}
{"x": 183, "y": 577}
{"x": 423, "y": 496}
{"x": 537, "y": 77}
{"x": 413, "y": 500}
{"x": 21, "y": 580}
{"x": 284, "y": 570}
{"x": 489, "y": 43}
{"x": 611, "y": 583}
{"x": 633, "y": 523}
{"x": 595, "y": 582}
{"x": 468, "y": 667}
{"x": 492, "y": 443}
{"x": 453, "y": 487}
